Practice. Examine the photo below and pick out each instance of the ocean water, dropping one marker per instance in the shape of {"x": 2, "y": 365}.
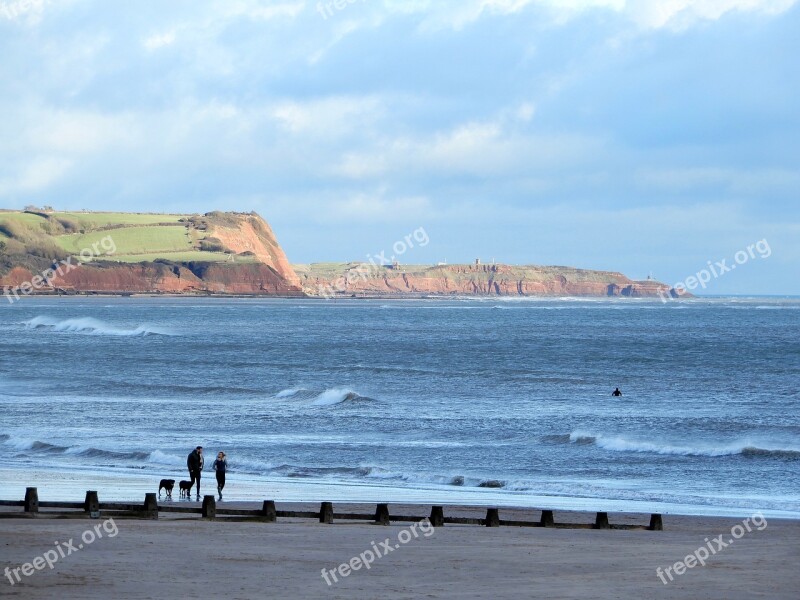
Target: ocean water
{"x": 416, "y": 398}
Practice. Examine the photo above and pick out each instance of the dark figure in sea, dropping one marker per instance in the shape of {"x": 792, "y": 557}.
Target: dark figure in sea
{"x": 194, "y": 462}
{"x": 616, "y": 393}
{"x": 220, "y": 466}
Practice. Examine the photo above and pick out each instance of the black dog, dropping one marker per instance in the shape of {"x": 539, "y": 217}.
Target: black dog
{"x": 186, "y": 489}
{"x": 167, "y": 485}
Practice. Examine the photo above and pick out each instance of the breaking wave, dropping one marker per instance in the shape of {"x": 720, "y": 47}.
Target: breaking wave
{"x": 617, "y": 443}
{"x": 90, "y": 326}
{"x": 175, "y": 463}
{"x": 110, "y": 454}
{"x": 366, "y": 472}
{"x": 329, "y": 397}
{"x": 27, "y": 446}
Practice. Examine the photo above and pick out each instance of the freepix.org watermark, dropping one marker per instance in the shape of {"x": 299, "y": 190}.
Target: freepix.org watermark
{"x": 105, "y": 247}
{"x": 329, "y": 8}
{"x": 62, "y": 550}
{"x": 366, "y": 558}
{"x": 712, "y": 546}
{"x": 717, "y": 269}
{"x": 418, "y": 237}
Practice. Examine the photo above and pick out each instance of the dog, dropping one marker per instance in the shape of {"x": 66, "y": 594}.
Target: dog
{"x": 186, "y": 489}
{"x": 166, "y": 485}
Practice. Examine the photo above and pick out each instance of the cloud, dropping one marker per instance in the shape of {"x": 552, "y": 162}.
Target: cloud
{"x": 490, "y": 148}
{"x": 525, "y": 111}
{"x": 379, "y": 206}
{"x": 35, "y": 175}
{"x": 645, "y": 14}
{"x": 476, "y": 115}
{"x": 257, "y": 10}
{"x": 18, "y": 10}
{"x": 330, "y": 116}
{"x": 734, "y": 181}
{"x": 682, "y": 14}
{"x": 159, "y": 40}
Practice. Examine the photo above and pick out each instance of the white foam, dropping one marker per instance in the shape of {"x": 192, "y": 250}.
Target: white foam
{"x": 334, "y": 396}
{"x": 90, "y": 326}
{"x": 162, "y": 458}
{"x": 618, "y": 443}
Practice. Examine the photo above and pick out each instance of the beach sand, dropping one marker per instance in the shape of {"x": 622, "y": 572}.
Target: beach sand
{"x": 178, "y": 556}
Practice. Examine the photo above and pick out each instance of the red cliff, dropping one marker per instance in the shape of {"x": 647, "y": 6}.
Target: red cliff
{"x": 362, "y": 279}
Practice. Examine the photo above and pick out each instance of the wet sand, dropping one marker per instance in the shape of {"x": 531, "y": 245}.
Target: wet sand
{"x": 185, "y": 557}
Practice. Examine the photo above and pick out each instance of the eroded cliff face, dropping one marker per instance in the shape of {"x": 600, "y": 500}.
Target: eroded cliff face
{"x": 471, "y": 280}
{"x": 117, "y": 278}
{"x": 251, "y": 233}
{"x": 265, "y": 272}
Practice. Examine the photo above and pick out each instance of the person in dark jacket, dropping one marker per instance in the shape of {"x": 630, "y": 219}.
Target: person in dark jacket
{"x": 194, "y": 462}
{"x": 221, "y": 466}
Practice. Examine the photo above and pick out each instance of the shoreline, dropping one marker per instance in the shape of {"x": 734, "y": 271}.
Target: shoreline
{"x": 111, "y": 486}
{"x": 104, "y": 294}
{"x": 399, "y": 296}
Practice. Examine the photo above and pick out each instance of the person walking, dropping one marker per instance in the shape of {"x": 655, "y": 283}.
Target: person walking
{"x": 194, "y": 462}
{"x": 221, "y": 466}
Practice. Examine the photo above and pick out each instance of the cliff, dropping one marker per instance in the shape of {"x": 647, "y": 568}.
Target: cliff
{"x": 237, "y": 253}
{"x": 221, "y": 253}
{"x": 363, "y": 279}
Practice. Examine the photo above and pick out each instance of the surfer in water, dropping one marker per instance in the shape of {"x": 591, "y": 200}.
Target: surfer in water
{"x": 616, "y": 393}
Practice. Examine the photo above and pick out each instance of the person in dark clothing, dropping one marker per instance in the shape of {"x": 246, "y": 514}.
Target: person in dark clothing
{"x": 616, "y": 393}
{"x": 221, "y": 466}
{"x": 194, "y": 462}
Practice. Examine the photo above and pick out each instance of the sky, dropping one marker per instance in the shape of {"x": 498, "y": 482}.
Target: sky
{"x": 647, "y": 137}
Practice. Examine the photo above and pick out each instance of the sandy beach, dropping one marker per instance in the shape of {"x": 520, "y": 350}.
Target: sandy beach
{"x": 187, "y": 557}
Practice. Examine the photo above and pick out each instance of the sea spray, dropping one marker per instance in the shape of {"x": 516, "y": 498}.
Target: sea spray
{"x": 619, "y": 443}
{"x": 91, "y": 326}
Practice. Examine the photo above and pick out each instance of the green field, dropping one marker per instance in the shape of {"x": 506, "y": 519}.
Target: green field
{"x": 20, "y": 217}
{"x": 95, "y": 220}
{"x": 193, "y": 256}
{"x": 137, "y": 237}
{"x": 132, "y": 240}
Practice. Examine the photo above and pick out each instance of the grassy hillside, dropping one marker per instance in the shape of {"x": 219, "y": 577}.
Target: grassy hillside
{"x": 137, "y": 237}
{"x": 95, "y": 220}
{"x": 133, "y": 240}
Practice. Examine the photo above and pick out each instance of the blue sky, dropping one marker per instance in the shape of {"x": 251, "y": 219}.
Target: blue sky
{"x": 647, "y": 136}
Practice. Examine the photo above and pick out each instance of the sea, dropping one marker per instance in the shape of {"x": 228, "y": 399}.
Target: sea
{"x": 489, "y": 401}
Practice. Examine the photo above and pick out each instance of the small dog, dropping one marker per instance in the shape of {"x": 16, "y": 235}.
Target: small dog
{"x": 166, "y": 485}
{"x": 186, "y": 489}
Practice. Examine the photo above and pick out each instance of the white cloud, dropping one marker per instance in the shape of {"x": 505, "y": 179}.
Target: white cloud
{"x": 73, "y": 133}
{"x": 257, "y": 10}
{"x": 488, "y": 148}
{"x": 159, "y": 40}
{"x": 646, "y": 14}
{"x": 378, "y": 207}
{"x": 525, "y": 111}
{"x": 36, "y": 175}
{"x": 737, "y": 181}
{"x": 328, "y": 117}
{"x": 681, "y": 14}
{"x": 15, "y": 10}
